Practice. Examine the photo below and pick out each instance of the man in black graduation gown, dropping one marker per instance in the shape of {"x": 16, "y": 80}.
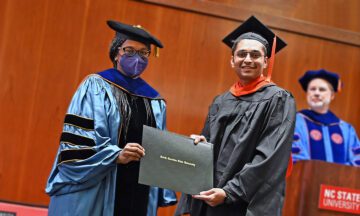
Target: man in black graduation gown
{"x": 251, "y": 127}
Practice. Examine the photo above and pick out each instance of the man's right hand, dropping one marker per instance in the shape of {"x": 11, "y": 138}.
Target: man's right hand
{"x": 198, "y": 138}
{"x": 131, "y": 152}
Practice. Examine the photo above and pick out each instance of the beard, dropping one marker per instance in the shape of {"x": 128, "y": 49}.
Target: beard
{"x": 319, "y": 104}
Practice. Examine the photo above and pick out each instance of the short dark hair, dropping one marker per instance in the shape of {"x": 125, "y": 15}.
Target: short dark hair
{"x": 114, "y": 46}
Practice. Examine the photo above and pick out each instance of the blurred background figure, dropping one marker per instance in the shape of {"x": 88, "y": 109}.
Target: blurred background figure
{"x": 319, "y": 133}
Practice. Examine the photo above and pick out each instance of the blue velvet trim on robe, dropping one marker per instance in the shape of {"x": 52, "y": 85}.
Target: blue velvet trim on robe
{"x": 317, "y": 121}
{"x": 134, "y": 86}
{"x": 333, "y": 140}
{"x": 338, "y": 149}
{"x": 317, "y": 147}
{"x": 326, "y": 119}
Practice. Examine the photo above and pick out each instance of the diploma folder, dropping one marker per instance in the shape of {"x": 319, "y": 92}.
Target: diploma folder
{"x": 174, "y": 162}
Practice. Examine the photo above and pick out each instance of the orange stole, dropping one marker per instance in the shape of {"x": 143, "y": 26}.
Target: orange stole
{"x": 239, "y": 90}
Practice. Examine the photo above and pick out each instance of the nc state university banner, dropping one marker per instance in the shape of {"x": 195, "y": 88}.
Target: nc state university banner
{"x": 339, "y": 199}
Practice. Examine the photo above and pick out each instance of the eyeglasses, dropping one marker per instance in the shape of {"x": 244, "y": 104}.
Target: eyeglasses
{"x": 131, "y": 51}
{"x": 253, "y": 54}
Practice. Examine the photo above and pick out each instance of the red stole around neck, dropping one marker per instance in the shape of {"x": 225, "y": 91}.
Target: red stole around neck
{"x": 239, "y": 90}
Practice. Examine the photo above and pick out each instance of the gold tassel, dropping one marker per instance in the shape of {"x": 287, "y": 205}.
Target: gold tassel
{"x": 138, "y": 26}
{"x": 157, "y": 52}
{"x": 339, "y": 86}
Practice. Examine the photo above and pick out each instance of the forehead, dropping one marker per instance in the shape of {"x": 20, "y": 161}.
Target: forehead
{"x": 135, "y": 44}
{"x": 250, "y": 45}
{"x": 318, "y": 82}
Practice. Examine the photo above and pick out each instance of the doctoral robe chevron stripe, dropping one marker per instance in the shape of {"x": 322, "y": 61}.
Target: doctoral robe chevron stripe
{"x": 76, "y": 139}
{"x": 75, "y": 154}
{"x": 79, "y": 121}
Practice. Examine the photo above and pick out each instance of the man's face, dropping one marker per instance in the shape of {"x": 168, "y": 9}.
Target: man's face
{"x": 319, "y": 94}
{"x": 249, "y": 60}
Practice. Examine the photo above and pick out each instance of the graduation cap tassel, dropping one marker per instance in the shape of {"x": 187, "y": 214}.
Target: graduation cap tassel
{"x": 339, "y": 86}
{"x": 271, "y": 61}
{"x": 156, "y": 52}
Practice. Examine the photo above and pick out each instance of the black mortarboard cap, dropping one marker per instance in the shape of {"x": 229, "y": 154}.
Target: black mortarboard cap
{"x": 247, "y": 29}
{"x": 331, "y": 77}
{"x": 134, "y": 32}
